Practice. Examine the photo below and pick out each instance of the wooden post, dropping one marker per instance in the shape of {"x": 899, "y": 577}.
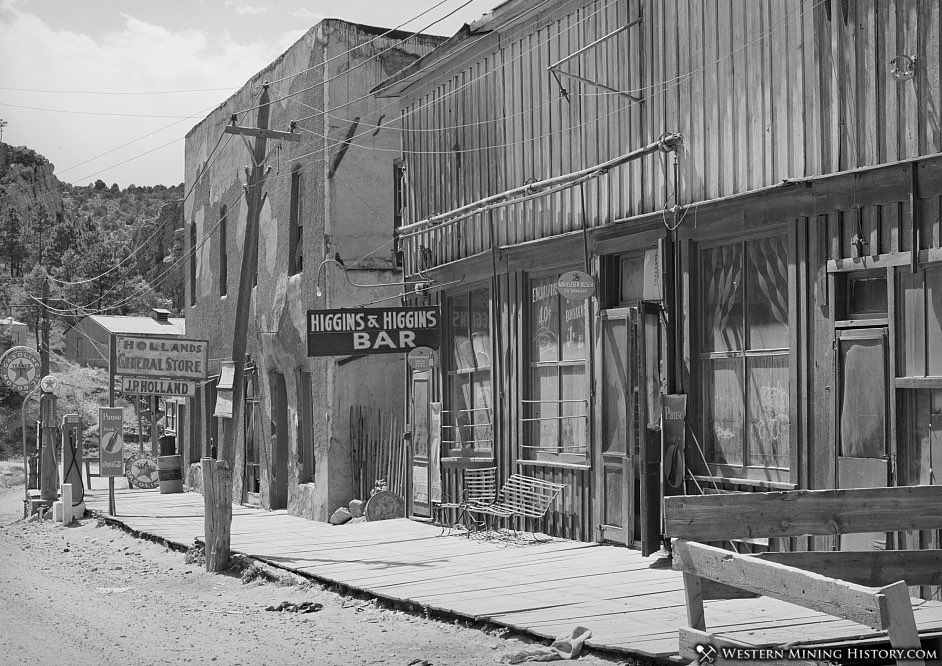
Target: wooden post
{"x": 217, "y": 516}
{"x": 112, "y": 366}
{"x": 66, "y": 503}
{"x": 901, "y": 623}
{"x": 693, "y": 589}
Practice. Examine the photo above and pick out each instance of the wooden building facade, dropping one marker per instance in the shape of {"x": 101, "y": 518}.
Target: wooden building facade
{"x": 780, "y": 264}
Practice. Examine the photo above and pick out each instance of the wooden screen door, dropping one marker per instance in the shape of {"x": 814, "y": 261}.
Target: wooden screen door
{"x": 420, "y": 480}
{"x": 862, "y": 428}
{"x": 615, "y": 477}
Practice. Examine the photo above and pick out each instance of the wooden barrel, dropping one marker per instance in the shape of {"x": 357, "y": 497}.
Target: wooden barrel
{"x": 170, "y": 474}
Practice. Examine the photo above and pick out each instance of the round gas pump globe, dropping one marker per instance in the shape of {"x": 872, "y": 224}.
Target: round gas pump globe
{"x": 49, "y": 384}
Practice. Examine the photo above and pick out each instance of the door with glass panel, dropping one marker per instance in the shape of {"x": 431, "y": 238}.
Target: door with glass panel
{"x": 615, "y": 476}
{"x": 421, "y": 435}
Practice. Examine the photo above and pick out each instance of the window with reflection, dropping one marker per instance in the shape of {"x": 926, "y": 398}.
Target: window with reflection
{"x": 558, "y": 354}
{"x": 744, "y": 352}
{"x": 467, "y": 429}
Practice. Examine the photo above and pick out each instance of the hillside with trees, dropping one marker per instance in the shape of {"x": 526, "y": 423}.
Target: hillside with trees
{"x": 96, "y": 248}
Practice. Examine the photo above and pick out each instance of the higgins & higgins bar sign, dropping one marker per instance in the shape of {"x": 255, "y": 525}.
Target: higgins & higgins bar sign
{"x": 353, "y": 331}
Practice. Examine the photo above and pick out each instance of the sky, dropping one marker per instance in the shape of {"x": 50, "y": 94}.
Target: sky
{"x": 67, "y": 58}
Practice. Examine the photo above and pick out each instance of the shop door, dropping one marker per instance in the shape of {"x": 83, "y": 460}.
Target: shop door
{"x": 862, "y": 398}
{"x": 615, "y": 476}
{"x": 628, "y": 467}
{"x": 278, "y": 490}
{"x": 421, "y": 469}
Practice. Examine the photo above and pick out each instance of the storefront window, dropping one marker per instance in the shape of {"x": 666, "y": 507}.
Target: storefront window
{"x": 467, "y": 429}
{"x": 558, "y": 408}
{"x": 744, "y": 353}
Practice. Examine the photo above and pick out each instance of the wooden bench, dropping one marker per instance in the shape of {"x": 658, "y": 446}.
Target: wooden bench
{"x": 867, "y": 587}
{"x": 520, "y": 497}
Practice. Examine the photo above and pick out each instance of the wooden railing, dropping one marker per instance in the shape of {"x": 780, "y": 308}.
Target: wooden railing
{"x": 868, "y": 587}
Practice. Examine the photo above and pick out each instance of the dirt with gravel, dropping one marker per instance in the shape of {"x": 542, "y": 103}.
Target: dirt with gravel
{"x": 94, "y": 593}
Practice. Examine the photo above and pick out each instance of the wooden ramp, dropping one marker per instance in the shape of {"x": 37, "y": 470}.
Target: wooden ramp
{"x": 544, "y": 589}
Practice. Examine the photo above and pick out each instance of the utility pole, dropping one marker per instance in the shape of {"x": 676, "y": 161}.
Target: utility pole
{"x": 47, "y": 406}
{"x": 217, "y": 474}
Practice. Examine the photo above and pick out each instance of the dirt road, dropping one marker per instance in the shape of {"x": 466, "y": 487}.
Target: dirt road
{"x": 90, "y": 593}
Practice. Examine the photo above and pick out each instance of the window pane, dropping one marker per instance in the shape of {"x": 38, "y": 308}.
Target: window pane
{"x": 768, "y": 411}
{"x": 544, "y": 320}
{"x": 573, "y": 329}
{"x": 722, "y": 298}
{"x": 573, "y": 430}
{"x": 866, "y": 296}
{"x": 461, "y": 432}
{"x": 614, "y": 385}
{"x": 461, "y": 348}
{"x": 863, "y": 399}
{"x": 723, "y": 392}
{"x": 767, "y": 293}
{"x": 545, "y": 389}
{"x": 480, "y": 329}
{"x": 632, "y": 278}
{"x": 482, "y": 415}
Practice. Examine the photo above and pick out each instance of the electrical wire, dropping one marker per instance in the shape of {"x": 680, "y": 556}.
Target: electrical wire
{"x": 90, "y": 113}
{"x": 118, "y": 92}
{"x": 159, "y": 228}
{"x": 361, "y": 63}
{"x": 676, "y": 81}
{"x": 360, "y": 46}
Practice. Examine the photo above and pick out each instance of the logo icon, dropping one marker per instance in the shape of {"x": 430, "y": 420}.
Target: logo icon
{"x": 707, "y": 654}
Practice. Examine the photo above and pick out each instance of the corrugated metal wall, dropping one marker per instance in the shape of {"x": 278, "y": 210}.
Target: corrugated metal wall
{"x": 761, "y": 90}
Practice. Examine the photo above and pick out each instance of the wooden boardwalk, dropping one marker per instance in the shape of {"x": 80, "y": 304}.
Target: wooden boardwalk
{"x": 543, "y": 589}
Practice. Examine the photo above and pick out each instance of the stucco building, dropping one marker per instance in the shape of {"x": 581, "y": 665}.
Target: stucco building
{"x": 326, "y": 240}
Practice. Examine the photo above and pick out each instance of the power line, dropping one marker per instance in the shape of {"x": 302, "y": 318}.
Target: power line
{"x": 158, "y": 229}
{"x": 119, "y": 92}
{"x": 361, "y": 63}
{"x": 360, "y": 46}
{"x": 91, "y": 113}
{"x": 676, "y": 81}
{"x": 108, "y": 152}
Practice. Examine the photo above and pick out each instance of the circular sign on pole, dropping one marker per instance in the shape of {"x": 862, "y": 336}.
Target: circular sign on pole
{"x": 19, "y": 369}
{"x": 141, "y": 471}
{"x": 49, "y": 384}
{"x": 422, "y": 358}
{"x": 575, "y": 286}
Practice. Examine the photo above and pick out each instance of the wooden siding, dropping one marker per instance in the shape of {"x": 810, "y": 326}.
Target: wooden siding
{"x": 761, "y": 90}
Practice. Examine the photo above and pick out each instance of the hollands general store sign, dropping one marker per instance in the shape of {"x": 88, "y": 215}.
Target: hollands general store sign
{"x": 160, "y": 365}
{"x": 372, "y": 330}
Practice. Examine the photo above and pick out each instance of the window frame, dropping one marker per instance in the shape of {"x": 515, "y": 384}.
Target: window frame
{"x": 296, "y": 222}
{"x": 223, "y": 251}
{"x": 697, "y": 333}
{"x": 450, "y": 374}
{"x": 529, "y": 449}
{"x": 193, "y": 271}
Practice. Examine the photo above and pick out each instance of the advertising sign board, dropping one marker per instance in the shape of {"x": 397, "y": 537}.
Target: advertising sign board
{"x": 110, "y": 441}
{"x": 185, "y": 388}
{"x": 372, "y": 330}
{"x": 165, "y": 358}
{"x": 19, "y": 369}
